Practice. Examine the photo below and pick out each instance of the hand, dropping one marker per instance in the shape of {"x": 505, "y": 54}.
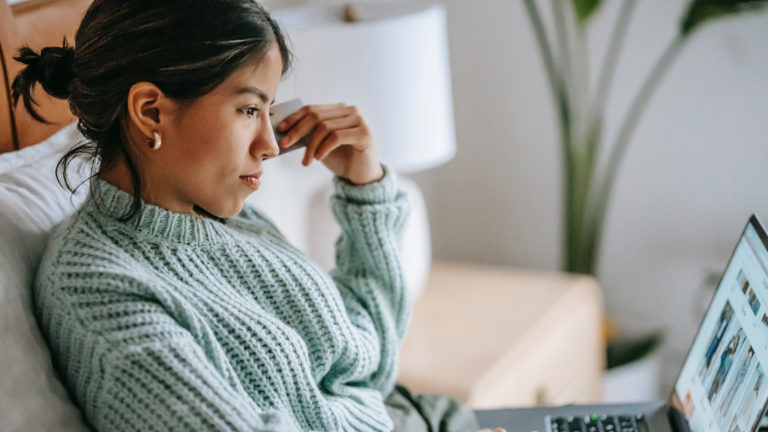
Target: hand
{"x": 493, "y": 430}
{"x": 340, "y": 139}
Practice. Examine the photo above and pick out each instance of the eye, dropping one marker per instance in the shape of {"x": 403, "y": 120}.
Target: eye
{"x": 250, "y": 111}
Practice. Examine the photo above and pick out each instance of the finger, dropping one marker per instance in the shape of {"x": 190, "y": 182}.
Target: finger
{"x": 326, "y": 127}
{"x": 361, "y": 139}
{"x": 292, "y": 119}
{"x": 337, "y": 139}
{"x": 298, "y": 130}
{"x": 307, "y": 123}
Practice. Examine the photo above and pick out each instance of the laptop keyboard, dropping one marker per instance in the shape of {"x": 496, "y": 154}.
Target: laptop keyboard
{"x": 597, "y": 423}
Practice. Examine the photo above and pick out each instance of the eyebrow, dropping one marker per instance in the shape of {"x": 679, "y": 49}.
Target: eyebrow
{"x": 256, "y": 91}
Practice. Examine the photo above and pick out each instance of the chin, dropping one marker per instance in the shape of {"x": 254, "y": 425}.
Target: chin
{"x": 233, "y": 210}
{"x": 225, "y": 210}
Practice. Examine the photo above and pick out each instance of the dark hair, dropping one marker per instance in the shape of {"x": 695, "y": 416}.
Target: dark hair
{"x": 186, "y": 48}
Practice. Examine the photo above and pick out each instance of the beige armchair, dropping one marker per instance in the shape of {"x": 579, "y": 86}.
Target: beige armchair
{"x": 497, "y": 337}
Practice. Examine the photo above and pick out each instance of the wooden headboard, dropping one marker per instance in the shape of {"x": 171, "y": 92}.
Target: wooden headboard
{"x": 37, "y": 23}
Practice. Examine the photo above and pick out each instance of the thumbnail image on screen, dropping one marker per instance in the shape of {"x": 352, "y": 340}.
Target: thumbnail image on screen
{"x": 733, "y": 380}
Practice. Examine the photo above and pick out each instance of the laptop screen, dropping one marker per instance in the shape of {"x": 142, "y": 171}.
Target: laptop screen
{"x": 722, "y": 385}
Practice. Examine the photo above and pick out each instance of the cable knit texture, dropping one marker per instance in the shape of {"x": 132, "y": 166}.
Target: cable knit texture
{"x": 187, "y": 323}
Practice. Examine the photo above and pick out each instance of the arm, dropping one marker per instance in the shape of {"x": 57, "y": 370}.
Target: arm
{"x": 172, "y": 385}
{"x": 369, "y": 273}
{"x": 132, "y": 366}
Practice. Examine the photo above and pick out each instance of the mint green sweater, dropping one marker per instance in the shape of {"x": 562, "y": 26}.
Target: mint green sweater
{"x": 187, "y": 323}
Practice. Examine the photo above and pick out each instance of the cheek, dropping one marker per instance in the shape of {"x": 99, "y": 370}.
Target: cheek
{"x": 203, "y": 140}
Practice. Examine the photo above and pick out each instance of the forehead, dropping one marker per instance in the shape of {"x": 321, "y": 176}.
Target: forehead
{"x": 263, "y": 73}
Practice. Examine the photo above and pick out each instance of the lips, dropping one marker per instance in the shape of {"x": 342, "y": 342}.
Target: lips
{"x": 252, "y": 180}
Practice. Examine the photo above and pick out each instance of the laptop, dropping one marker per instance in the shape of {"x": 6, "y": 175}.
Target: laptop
{"x": 723, "y": 384}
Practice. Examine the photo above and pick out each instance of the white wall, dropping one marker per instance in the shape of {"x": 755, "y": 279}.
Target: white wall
{"x": 695, "y": 170}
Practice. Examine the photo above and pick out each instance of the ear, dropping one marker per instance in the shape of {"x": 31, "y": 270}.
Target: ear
{"x": 146, "y": 106}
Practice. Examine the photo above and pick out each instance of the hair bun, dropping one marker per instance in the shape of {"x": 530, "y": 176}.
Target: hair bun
{"x": 52, "y": 68}
{"x": 56, "y": 70}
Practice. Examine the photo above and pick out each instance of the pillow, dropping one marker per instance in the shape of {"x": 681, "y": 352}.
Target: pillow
{"x": 31, "y": 204}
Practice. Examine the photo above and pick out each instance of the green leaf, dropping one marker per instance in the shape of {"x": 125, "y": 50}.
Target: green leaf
{"x": 701, "y": 11}
{"x": 585, "y": 8}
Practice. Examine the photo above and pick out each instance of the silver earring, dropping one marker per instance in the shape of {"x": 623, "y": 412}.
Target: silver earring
{"x": 154, "y": 145}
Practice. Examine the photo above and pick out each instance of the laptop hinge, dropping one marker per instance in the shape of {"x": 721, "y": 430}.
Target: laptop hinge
{"x": 677, "y": 420}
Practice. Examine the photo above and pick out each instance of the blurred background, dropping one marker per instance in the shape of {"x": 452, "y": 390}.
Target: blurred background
{"x": 694, "y": 171}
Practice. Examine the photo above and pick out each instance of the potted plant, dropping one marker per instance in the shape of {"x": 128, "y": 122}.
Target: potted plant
{"x": 591, "y": 160}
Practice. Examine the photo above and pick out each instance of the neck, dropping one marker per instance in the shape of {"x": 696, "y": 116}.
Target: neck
{"x": 120, "y": 176}
{"x": 203, "y": 212}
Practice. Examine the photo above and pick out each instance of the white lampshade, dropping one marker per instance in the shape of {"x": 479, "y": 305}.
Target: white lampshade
{"x": 392, "y": 64}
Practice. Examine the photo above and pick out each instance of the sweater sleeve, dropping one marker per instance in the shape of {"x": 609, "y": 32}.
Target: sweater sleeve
{"x": 132, "y": 366}
{"x": 173, "y": 386}
{"x": 369, "y": 273}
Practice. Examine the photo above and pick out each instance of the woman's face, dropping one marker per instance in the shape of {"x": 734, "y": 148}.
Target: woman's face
{"x": 212, "y": 150}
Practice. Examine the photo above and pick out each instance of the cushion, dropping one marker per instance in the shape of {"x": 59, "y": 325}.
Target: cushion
{"x": 31, "y": 204}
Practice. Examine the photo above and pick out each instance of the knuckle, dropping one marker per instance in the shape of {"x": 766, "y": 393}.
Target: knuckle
{"x": 334, "y": 136}
{"x": 354, "y": 110}
{"x": 314, "y": 116}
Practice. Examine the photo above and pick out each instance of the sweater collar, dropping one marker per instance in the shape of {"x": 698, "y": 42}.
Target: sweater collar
{"x": 110, "y": 202}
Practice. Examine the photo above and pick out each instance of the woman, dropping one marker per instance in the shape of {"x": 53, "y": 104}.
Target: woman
{"x": 169, "y": 304}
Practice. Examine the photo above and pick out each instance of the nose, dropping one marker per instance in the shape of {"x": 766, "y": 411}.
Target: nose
{"x": 265, "y": 144}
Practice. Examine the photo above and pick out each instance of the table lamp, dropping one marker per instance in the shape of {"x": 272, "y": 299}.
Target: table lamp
{"x": 390, "y": 59}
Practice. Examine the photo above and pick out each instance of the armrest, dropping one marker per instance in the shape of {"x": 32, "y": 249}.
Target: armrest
{"x": 495, "y": 337}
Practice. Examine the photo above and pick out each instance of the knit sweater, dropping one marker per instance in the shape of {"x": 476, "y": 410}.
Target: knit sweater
{"x": 188, "y": 323}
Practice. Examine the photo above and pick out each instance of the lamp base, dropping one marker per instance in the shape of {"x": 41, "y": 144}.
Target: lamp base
{"x": 416, "y": 245}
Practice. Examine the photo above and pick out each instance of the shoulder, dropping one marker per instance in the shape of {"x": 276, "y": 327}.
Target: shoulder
{"x": 90, "y": 287}
{"x": 80, "y": 261}
{"x": 87, "y": 288}
{"x": 82, "y": 243}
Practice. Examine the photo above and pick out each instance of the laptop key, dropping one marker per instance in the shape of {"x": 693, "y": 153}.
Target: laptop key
{"x": 642, "y": 425}
{"x": 574, "y": 424}
{"x": 592, "y": 424}
{"x": 558, "y": 424}
{"x": 626, "y": 424}
{"x": 606, "y": 425}
{"x": 609, "y": 423}
{"x": 595, "y": 423}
